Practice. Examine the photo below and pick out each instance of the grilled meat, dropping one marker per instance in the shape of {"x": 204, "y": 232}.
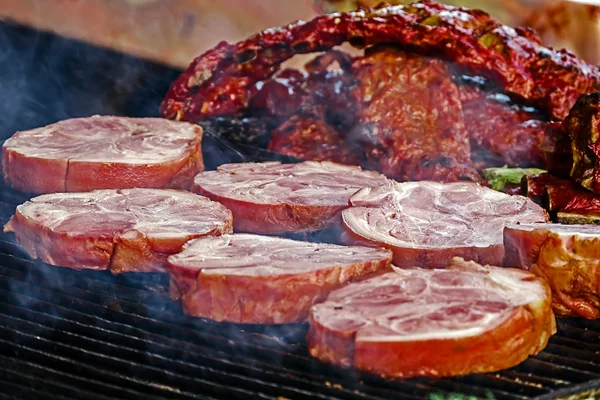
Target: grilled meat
{"x": 566, "y": 201}
{"x": 583, "y": 125}
{"x": 127, "y": 230}
{"x": 103, "y": 152}
{"x": 410, "y": 125}
{"x": 246, "y": 278}
{"x": 274, "y": 198}
{"x": 217, "y": 83}
{"x": 425, "y": 224}
{"x": 566, "y": 256}
{"x": 417, "y": 322}
{"x": 501, "y": 132}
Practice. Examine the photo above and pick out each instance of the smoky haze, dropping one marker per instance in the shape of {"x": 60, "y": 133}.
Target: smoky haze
{"x": 46, "y": 78}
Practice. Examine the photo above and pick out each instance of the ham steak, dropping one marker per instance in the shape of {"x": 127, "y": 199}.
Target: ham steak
{"x": 126, "y": 230}
{"x": 103, "y": 152}
{"x": 566, "y": 256}
{"x": 274, "y": 198}
{"x": 246, "y": 278}
{"x": 423, "y": 322}
{"x": 427, "y": 223}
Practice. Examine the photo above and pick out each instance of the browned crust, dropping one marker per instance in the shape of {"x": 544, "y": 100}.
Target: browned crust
{"x": 522, "y": 247}
{"x": 428, "y": 258}
{"x": 263, "y": 300}
{"x": 127, "y": 252}
{"x": 40, "y": 175}
{"x": 524, "y": 333}
{"x": 276, "y": 219}
{"x": 33, "y": 175}
{"x": 63, "y": 249}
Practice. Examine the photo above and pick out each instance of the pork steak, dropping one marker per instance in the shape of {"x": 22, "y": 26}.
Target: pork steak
{"x": 567, "y": 256}
{"x": 103, "y": 152}
{"x": 127, "y": 230}
{"x": 421, "y": 322}
{"x": 427, "y": 223}
{"x": 248, "y": 278}
{"x": 274, "y": 198}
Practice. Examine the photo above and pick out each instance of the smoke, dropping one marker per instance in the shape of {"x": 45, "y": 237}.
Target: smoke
{"x": 45, "y": 78}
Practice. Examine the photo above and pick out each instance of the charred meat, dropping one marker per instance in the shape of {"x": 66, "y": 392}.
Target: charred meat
{"x": 566, "y": 257}
{"x": 217, "y": 83}
{"x": 411, "y": 124}
{"x": 583, "y": 125}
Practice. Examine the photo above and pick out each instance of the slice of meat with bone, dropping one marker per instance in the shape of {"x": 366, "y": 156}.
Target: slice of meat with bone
{"x": 274, "y": 198}
{"x": 566, "y": 256}
{"x": 247, "y": 278}
{"x": 427, "y": 223}
{"x": 103, "y": 152}
{"x": 420, "y": 322}
{"x": 128, "y": 230}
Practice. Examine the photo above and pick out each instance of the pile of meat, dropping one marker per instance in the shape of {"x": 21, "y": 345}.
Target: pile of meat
{"x": 492, "y": 96}
{"x": 395, "y": 108}
{"x": 439, "y": 93}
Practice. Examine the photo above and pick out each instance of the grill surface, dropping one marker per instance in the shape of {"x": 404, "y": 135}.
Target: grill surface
{"x": 82, "y": 334}
{"x": 88, "y": 335}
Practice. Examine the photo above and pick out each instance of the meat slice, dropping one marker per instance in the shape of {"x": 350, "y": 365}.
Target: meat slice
{"x": 427, "y": 223}
{"x": 411, "y": 123}
{"x": 127, "y": 230}
{"x": 566, "y": 256}
{"x": 274, "y": 198}
{"x": 103, "y": 152}
{"x": 247, "y": 278}
{"x": 418, "y": 322}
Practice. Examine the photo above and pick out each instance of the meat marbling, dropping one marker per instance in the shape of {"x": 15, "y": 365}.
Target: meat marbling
{"x": 128, "y": 230}
{"x": 421, "y": 322}
{"x": 566, "y": 256}
{"x": 274, "y": 198}
{"x": 248, "y": 278}
{"x": 103, "y": 152}
{"x": 427, "y": 223}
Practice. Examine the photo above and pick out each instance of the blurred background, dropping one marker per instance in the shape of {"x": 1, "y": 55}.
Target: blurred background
{"x": 67, "y": 58}
{"x": 175, "y": 31}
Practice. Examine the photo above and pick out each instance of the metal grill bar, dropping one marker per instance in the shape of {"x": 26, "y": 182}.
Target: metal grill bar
{"x": 54, "y": 381}
{"x": 149, "y": 346}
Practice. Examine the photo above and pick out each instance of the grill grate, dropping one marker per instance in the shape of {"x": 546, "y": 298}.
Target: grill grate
{"x": 89, "y": 335}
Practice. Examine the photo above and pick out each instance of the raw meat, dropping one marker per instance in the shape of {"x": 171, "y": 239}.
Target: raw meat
{"x": 103, "y": 152}
{"x": 419, "y": 322}
{"x": 274, "y": 198}
{"x": 427, "y": 223}
{"x": 566, "y": 256}
{"x": 128, "y": 230}
{"x": 247, "y": 278}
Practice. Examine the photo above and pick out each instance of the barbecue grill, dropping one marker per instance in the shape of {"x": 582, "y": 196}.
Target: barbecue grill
{"x": 68, "y": 334}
